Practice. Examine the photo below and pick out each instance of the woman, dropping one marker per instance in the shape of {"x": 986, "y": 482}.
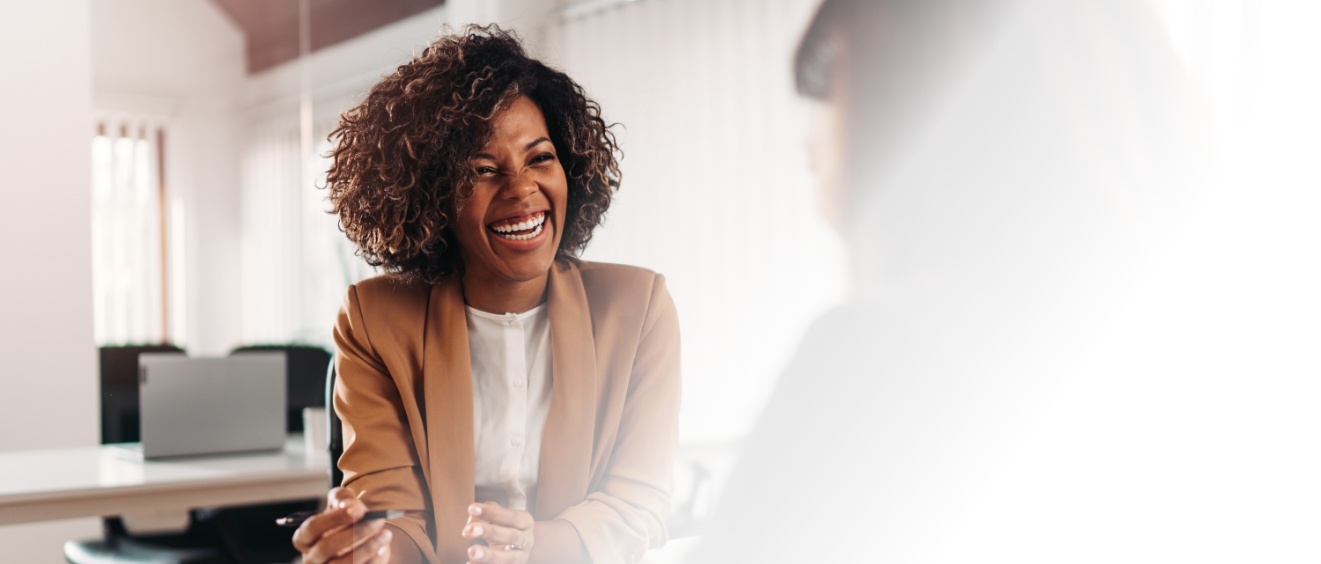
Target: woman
{"x": 1010, "y": 382}
{"x": 519, "y": 404}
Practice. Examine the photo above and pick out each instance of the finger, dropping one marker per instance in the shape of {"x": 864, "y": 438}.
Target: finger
{"x": 493, "y": 513}
{"x": 497, "y": 535}
{"x": 478, "y": 553}
{"x": 382, "y": 556}
{"x": 374, "y": 549}
{"x": 474, "y": 528}
{"x": 338, "y": 543}
{"x": 336, "y": 495}
{"x": 496, "y": 555}
{"x": 335, "y": 517}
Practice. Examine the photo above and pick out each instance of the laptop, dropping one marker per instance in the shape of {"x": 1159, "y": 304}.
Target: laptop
{"x": 200, "y": 406}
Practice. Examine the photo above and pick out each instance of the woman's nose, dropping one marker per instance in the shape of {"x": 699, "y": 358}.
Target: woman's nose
{"x": 519, "y": 186}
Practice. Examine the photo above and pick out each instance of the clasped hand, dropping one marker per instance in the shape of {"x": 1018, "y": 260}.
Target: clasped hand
{"x": 506, "y": 532}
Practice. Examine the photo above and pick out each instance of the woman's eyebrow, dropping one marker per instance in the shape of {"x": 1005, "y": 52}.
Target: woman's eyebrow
{"x": 527, "y": 147}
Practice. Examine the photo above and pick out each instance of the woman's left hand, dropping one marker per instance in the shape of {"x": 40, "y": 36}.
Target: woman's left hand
{"x": 507, "y": 532}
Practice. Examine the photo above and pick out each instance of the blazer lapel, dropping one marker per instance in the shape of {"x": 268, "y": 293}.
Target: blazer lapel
{"x": 447, "y": 382}
{"x": 566, "y": 446}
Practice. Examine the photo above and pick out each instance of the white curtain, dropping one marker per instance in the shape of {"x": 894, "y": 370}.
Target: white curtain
{"x": 127, "y": 250}
{"x": 296, "y": 263}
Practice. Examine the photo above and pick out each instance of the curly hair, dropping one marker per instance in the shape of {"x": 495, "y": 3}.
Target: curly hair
{"x": 400, "y": 170}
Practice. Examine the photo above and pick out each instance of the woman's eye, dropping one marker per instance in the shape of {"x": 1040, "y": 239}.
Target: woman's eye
{"x": 544, "y": 157}
{"x": 485, "y": 170}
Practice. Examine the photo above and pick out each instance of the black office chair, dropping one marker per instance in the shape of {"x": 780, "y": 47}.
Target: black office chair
{"x": 334, "y": 429}
{"x": 119, "y": 390}
{"x": 306, "y": 369}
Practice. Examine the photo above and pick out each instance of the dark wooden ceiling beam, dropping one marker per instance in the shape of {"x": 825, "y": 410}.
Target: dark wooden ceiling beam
{"x": 271, "y": 26}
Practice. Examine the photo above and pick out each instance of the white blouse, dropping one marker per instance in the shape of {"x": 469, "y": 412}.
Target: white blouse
{"x": 510, "y": 356}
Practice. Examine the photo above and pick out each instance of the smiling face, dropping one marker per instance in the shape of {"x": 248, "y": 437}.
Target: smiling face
{"x": 509, "y": 229}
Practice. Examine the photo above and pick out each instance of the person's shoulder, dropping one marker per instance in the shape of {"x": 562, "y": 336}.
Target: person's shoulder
{"x": 390, "y": 308}
{"x": 605, "y": 279}
{"x": 609, "y": 272}
{"x": 620, "y": 294}
{"x": 389, "y": 289}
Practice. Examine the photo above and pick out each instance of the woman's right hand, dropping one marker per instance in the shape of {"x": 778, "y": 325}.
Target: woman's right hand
{"x": 331, "y": 536}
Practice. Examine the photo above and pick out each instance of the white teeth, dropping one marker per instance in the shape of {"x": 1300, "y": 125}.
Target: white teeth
{"x": 534, "y": 233}
{"x": 535, "y": 223}
{"x": 522, "y": 225}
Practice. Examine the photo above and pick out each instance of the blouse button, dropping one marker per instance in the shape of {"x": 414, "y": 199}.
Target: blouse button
{"x": 516, "y": 441}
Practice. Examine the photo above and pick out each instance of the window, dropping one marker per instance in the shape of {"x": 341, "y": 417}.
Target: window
{"x": 129, "y": 266}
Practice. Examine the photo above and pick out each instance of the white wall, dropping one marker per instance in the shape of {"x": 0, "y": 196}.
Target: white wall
{"x": 183, "y": 62}
{"x": 46, "y": 292}
{"x": 46, "y": 289}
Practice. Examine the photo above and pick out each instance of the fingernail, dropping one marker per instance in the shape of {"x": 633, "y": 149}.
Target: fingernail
{"x": 479, "y": 553}
{"x": 467, "y": 530}
{"x": 380, "y": 551}
{"x": 475, "y": 509}
{"x": 477, "y": 531}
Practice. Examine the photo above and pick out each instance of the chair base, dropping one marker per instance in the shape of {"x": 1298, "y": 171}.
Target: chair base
{"x": 127, "y": 550}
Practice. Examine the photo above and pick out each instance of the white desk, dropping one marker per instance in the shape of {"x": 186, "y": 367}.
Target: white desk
{"x": 49, "y": 484}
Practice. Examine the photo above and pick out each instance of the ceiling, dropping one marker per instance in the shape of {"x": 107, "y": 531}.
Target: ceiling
{"x": 271, "y": 26}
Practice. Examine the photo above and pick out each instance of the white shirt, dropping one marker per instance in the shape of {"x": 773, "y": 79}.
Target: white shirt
{"x": 510, "y": 356}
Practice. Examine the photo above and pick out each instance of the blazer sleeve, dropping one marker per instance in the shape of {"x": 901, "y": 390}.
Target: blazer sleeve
{"x": 624, "y": 517}
{"x": 380, "y": 461}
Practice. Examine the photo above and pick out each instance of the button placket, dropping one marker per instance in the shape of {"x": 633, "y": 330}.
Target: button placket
{"x": 515, "y": 351}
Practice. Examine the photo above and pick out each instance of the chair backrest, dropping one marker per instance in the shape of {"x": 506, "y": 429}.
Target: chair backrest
{"x": 119, "y": 390}
{"x": 306, "y": 369}
{"x": 334, "y": 429}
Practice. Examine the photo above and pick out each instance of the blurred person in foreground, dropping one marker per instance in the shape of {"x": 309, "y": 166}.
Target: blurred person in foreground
{"x": 1021, "y": 374}
{"x": 519, "y": 404}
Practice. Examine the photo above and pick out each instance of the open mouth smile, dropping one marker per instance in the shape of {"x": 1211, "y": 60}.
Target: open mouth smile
{"x": 519, "y": 228}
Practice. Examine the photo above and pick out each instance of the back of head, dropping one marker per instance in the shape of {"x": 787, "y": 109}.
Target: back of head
{"x": 886, "y": 63}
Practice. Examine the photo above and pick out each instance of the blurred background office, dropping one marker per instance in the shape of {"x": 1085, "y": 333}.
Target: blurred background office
{"x": 162, "y": 158}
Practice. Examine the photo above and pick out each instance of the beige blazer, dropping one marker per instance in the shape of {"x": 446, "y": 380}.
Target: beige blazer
{"x": 404, "y": 392}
